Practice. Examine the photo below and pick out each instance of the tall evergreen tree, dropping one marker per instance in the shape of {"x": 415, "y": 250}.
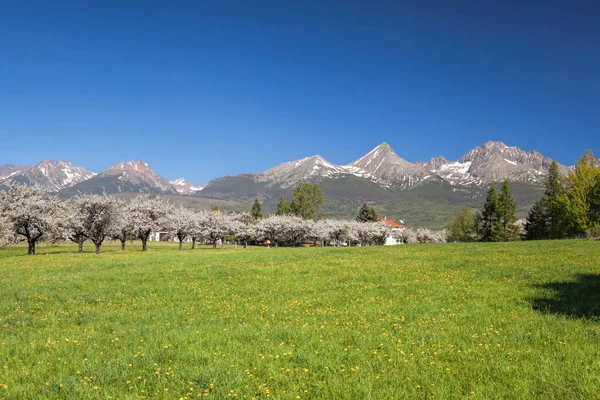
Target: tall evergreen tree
{"x": 477, "y": 226}
{"x": 307, "y": 201}
{"x": 507, "y": 215}
{"x": 546, "y": 218}
{"x": 256, "y": 212}
{"x": 551, "y": 206}
{"x": 489, "y": 216}
{"x": 283, "y": 207}
{"x": 536, "y": 227}
{"x": 366, "y": 214}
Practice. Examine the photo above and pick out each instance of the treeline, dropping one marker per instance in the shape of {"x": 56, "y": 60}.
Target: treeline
{"x": 495, "y": 222}
{"x": 569, "y": 208}
{"x": 32, "y": 214}
{"x": 307, "y": 202}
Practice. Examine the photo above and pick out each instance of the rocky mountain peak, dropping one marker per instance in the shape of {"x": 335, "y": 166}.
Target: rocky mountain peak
{"x": 138, "y": 166}
{"x": 496, "y": 161}
{"x": 493, "y": 145}
{"x": 384, "y": 166}
{"x": 52, "y": 175}
{"x": 291, "y": 173}
{"x": 131, "y": 176}
{"x": 8, "y": 170}
{"x": 436, "y": 163}
{"x": 183, "y": 186}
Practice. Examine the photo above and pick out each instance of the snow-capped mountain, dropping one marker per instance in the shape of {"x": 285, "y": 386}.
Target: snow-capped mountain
{"x": 132, "y": 176}
{"x": 52, "y": 175}
{"x": 428, "y": 192}
{"x": 383, "y": 166}
{"x": 491, "y": 162}
{"x": 183, "y": 186}
{"x": 494, "y": 161}
{"x": 9, "y": 170}
{"x": 291, "y": 173}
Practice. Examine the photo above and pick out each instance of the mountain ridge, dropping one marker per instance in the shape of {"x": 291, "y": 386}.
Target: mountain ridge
{"x": 53, "y": 175}
{"x": 426, "y": 192}
{"x": 131, "y": 176}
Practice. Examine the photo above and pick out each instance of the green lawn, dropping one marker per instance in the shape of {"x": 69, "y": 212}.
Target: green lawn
{"x": 514, "y": 320}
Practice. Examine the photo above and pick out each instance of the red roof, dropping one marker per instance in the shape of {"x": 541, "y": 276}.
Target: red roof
{"x": 390, "y": 222}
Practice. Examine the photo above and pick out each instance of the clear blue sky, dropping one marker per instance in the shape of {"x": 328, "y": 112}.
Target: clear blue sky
{"x": 204, "y": 89}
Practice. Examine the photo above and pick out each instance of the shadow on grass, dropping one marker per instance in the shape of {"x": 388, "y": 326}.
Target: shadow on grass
{"x": 576, "y": 299}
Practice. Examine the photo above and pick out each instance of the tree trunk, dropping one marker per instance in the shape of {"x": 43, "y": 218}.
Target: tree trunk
{"x": 193, "y": 243}
{"x": 180, "y": 243}
{"x": 98, "y": 247}
{"x": 144, "y": 244}
{"x": 122, "y": 245}
{"x": 245, "y": 244}
{"x": 31, "y": 248}
{"x": 222, "y": 242}
{"x": 80, "y": 247}
{"x": 214, "y": 244}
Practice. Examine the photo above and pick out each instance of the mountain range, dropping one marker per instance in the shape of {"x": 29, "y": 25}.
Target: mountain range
{"x": 424, "y": 192}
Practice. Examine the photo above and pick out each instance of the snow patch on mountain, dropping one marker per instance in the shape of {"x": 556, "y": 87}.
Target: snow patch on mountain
{"x": 183, "y": 186}
{"x": 52, "y": 175}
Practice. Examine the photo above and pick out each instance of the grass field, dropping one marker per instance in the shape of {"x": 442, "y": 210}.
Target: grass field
{"x": 510, "y": 320}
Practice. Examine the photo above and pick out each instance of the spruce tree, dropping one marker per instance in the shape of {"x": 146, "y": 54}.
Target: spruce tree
{"x": 546, "y": 218}
{"x": 366, "y": 214}
{"x": 256, "y": 212}
{"x": 551, "y": 207}
{"x": 507, "y": 215}
{"x": 536, "y": 227}
{"x": 477, "y": 226}
{"x": 489, "y": 216}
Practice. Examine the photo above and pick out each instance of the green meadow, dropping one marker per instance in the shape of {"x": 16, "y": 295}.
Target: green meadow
{"x": 472, "y": 321}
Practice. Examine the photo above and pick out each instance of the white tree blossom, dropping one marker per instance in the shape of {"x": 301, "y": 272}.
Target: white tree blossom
{"x": 90, "y": 217}
{"x": 5, "y": 233}
{"x": 99, "y": 212}
{"x": 296, "y": 229}
{"x": 147, "y": 215}
{"x": 420, "y": 235}
{"x": 320, "y": 231}
{"x": 30, "y": 213}
{"x": 370, "y": 233}
{"x": 73, "y": 221}
{"x": 197, "y": 231}
{"x": 243, "y": 227}
{"x": 272, "y": 228}
{"x": 338, "y": 231}
{"x": 122, "y": 227}
{"x": 425, "y": 235}
{"x": 179, "y": 222}
{"x": 214, "y": 226}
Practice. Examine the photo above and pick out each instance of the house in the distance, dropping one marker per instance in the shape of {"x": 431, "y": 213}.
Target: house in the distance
{"x": 395, "y": 227}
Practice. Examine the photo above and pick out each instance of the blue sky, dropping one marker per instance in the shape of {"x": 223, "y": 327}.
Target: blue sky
{"x": 206, "y": 89}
